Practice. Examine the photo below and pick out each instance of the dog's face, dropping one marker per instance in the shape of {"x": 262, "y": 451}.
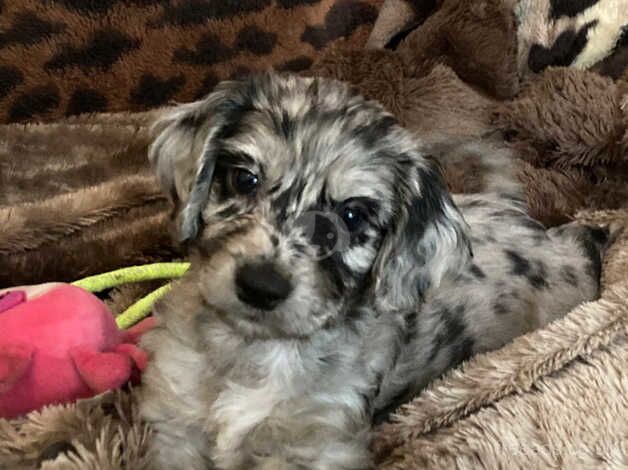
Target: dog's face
{"x": 303, "y": 203}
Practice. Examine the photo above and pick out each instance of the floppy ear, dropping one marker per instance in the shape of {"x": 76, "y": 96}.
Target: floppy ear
{"x": 183, "y": 153}
{"x": 427, "y": 239}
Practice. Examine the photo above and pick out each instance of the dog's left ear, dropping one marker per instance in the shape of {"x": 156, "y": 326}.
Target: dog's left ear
{"x": 427, "y": 239}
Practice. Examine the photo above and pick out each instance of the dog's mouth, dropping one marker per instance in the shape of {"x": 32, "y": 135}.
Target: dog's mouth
{"x": 288, "y": 320}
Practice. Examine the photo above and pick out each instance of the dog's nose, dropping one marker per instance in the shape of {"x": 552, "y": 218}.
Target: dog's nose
{"x": 261, "y": 285}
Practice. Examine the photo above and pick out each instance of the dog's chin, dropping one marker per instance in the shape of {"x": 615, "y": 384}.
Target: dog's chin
{"x": 249, "y": 324}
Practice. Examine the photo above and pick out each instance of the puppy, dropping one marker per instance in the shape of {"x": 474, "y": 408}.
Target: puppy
{"x": 333, "y": 276}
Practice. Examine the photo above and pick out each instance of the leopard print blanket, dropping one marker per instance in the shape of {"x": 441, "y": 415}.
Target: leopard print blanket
{"x": 118, "y": 55}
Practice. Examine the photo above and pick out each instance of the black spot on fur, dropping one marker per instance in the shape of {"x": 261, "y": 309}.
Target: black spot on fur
{"x": 192, "y": 12}
{"x": 411, "y": 319}
{"x": 461, "y": 351}
{"x": 296, "y": 3}
{"x": 477, "y": 272}
{"x": 338, "y": 274}
{"x": 234, "y": 113}
{"x": 102, "y": 50}
{"x": 38, "y": 100}
{"x": 284, "y": 125}
{"x": 86, "y": 100}
{"x": 569, "y": 8}
{"x": 253, "y": 39}
{"x": 358, "y": 239}
{"x": 593, "y": 254}
{"x": 191, "y": 121}
{"x": 344, "y": 17}
{"x": 451, "y": 331}
{"x": 593, "y": 240}
{"x": 599, "y": 235}
{"x": 563, "y": 52}
{"x": 423, "y": 210}
{"x": 538, "y": 278}
{"x": 296, "y": 65}
{"x": 282, "y": 201}
{"x": 429, "y": 205}
{"x": 287, "y": 125}
{"x": 207, "y": 85}
{"x": 280, "y": 206}
{"x": 568, "y": 274}
{"x": 28, "y": 29}
{"x": 209, "y": 50}
{"x": 10, "y": 77}
{"x": 153, "y": 91}
{"x": 55, "y": 449}
{"x": 370, "y": 134}
{"x": 520, "y": 265}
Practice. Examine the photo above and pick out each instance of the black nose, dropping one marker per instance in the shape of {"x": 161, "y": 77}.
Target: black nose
{"x": 261, "y": 285}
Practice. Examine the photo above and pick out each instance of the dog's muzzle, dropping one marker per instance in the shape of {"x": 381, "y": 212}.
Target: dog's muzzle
{"x": 262, "y": 285}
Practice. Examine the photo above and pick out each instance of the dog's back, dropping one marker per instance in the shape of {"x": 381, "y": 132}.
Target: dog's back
{"x": 521, "y": 277}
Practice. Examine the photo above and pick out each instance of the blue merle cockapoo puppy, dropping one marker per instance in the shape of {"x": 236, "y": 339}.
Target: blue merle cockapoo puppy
{"x": 333, "y": 275}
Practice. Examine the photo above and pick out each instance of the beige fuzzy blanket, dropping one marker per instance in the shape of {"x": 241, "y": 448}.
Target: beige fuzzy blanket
{"x": 554, "y": 398}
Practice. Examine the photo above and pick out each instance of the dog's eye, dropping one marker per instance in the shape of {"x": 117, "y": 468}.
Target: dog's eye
{"x": 354, "y": 217}
{"x": 243, "y": 181}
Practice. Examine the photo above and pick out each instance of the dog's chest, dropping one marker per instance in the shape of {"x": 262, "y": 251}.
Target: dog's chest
{"x": 245, "y": 402}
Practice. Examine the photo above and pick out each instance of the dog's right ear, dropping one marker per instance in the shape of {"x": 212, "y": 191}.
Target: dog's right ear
{"x": 183, "y": 152}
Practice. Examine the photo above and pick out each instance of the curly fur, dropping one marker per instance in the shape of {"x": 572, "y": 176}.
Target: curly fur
{"x": 427, "y": 281}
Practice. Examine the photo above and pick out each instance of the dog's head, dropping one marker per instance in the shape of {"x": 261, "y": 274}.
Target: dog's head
{"x": 303, "y": 203}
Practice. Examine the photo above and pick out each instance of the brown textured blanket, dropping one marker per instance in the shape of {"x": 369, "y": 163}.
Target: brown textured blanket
{"x": 78, "y": 198}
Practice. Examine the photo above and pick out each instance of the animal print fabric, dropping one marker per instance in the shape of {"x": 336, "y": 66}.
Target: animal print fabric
{"x": 67, "y": 57}
{"x": 550, "y": 33}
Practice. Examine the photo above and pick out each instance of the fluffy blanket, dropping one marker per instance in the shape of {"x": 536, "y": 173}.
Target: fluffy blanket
{"x": 79, "y": 199}
{"x": 555, "y": 398}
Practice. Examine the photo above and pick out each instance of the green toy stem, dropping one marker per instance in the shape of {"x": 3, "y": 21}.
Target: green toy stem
{"x": 141, "y": 308}
{"x": 148, "y": 272}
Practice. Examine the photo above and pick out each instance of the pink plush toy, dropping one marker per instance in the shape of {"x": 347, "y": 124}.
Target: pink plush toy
{"x": 59, "y": 343}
